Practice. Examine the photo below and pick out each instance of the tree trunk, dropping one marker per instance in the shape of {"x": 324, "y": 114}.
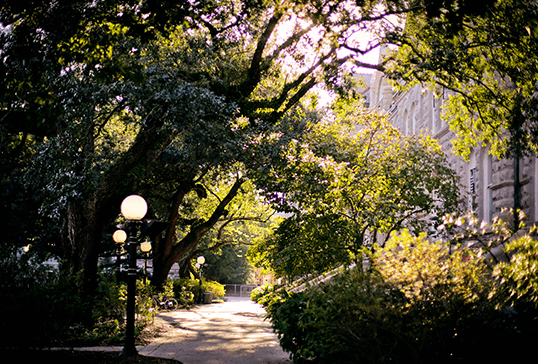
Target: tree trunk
{"x": 163, "y": 263}
{"x": 88, "y": 219}
{"x": 167, "y": 253}
{"x": 80, "y": 246}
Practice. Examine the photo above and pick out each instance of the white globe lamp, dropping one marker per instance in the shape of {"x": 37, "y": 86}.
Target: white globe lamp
{"x": 145, "y": 246}
{"x": 119, "y": 236}
{"x": 134, "y": 207}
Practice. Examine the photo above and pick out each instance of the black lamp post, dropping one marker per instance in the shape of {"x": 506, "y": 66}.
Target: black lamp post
{"x": 119, "y": 237}
{"x": 145, "y": 247}
{"x": 133, "y": 208}
{"x": 200, "y": 262}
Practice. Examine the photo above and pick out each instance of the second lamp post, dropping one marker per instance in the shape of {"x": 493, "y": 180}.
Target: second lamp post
{"x": 200, "y": 262}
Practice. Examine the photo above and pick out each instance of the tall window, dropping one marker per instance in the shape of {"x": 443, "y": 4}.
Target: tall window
{"x": 405, "y": 128}
{"x": 432, "y": 115}
{"x": 487, "y": 208}
{"x": 535, "y": 188}
{"x": 473, "y": 183}
{"x": 411, "y": 120}
{"x": 473, "y": 174}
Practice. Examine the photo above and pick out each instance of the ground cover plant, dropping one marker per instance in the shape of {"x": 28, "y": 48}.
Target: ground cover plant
{"x": 45, "y": 308}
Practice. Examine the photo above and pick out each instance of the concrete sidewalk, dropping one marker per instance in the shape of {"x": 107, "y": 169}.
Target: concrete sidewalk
{"x": 230, "y": 332}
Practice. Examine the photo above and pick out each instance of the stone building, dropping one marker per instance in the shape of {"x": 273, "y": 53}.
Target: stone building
{"x": 487, "y": 181}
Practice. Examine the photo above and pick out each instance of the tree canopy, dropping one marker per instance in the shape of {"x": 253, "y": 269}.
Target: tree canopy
{"x": 346, "y": 190}
{"x": 96, "y": 95}
{"x": 487, "y": 63}
{"x": 103, "y": 99}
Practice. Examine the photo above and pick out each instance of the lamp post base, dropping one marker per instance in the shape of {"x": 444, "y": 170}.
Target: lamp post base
{"x": 129, "y": 350}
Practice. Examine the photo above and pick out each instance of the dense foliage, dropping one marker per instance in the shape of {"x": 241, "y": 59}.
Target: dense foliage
{"x": 44, "y": 307}
{"x": 188, "y": 102}
{"x": 192, "y": 286}
{"x": 103, "y": 99}
{"x": 344, "y": 190}
{"x": 486, "y": 62}
{"x": 229, "y": 266}
{"x": 243, "y": 219}
{"x": 416, "y": 304}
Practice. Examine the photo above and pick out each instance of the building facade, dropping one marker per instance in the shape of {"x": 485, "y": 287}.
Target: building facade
{"x": 487, "y": 181}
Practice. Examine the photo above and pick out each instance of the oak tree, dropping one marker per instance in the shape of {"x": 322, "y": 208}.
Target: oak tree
{"x": 100, "y": 92}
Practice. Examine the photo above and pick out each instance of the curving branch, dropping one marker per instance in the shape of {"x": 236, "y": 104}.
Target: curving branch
{"x": 255, "y": 70}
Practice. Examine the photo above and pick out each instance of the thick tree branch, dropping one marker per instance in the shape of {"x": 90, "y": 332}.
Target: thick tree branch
{"x": 254, "y": 73}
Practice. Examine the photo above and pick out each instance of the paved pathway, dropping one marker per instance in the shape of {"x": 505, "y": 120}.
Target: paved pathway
{"x": 231, "y": 332}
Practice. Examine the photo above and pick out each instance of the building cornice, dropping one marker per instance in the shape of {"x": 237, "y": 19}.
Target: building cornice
{"x": 509, "y": 183}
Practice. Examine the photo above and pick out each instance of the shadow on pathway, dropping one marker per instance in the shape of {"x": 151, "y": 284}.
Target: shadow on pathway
{"x": 231, "y": 332}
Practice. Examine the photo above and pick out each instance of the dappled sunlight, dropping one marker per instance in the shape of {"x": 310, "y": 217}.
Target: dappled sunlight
{"x": 217, "y": 332}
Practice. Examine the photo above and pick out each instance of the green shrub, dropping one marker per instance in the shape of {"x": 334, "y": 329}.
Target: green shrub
{"x": 348, "y": 320}
{"x": 418, "y": 303}
{"x": 447, "y": 307}
{"x": 42, "y": 312}
{"x": 429, "y": 273}
{"x": 259, "y": 293}
{"x": 286, "y": 311}
{"x": 517, "y": 295}
{"x": 108, "y": 310}
{"x": 218, "y": 289}
{"x": 186, "y": 289}
{"x": 110, "y": 300}
{"x": 519, "y": 277}
{"x": 46, "y": 308}
{"x": 144, "y": 300}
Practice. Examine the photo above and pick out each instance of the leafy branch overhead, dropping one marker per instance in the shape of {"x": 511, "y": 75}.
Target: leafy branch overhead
{"x": 486, "y": 63}
{"x": 101, "y": 99}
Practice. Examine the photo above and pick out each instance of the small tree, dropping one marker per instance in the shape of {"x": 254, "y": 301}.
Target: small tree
{"x": 344, "y": 193}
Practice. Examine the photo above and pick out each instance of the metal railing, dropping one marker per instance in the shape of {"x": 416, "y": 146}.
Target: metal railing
{"x": 239, "y": 290}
